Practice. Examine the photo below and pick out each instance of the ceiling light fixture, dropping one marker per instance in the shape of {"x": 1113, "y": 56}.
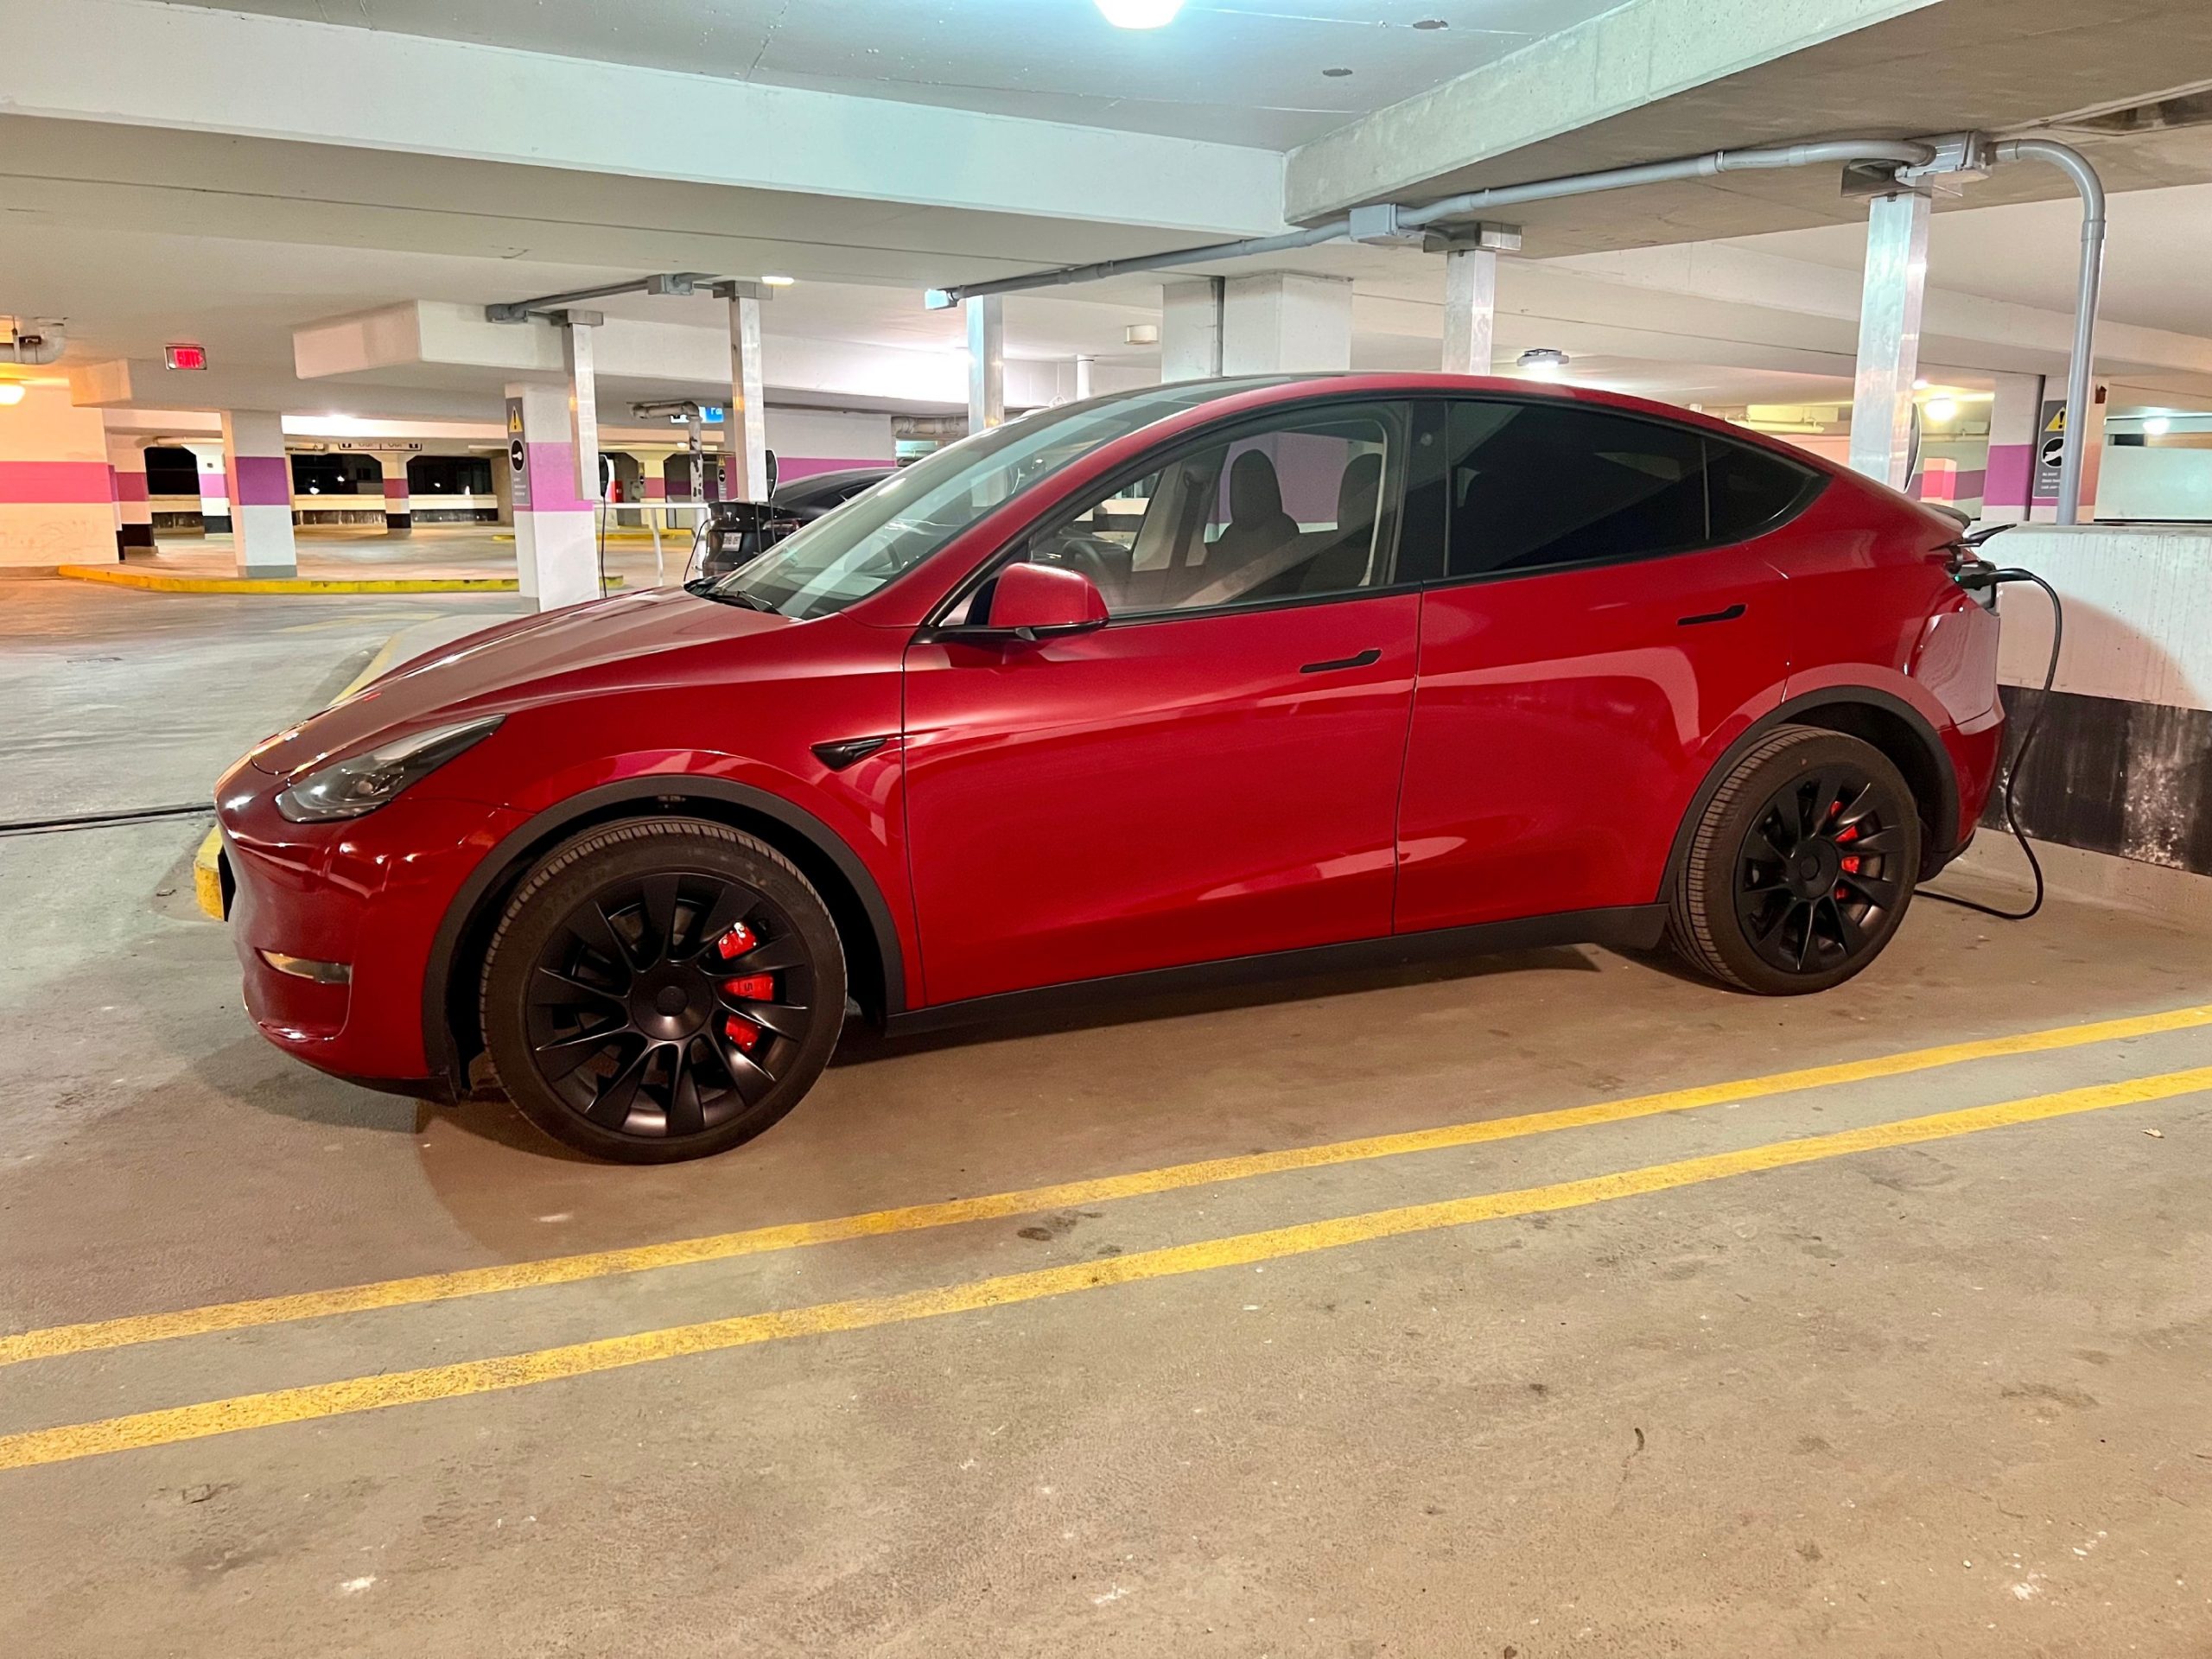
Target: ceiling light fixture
{"x": 10, "y": 392}
{"x": 1941, "y": 410}
{"x": 1140, "y": 14}
{"x": 2157, "y": 427}
{"x": 778, "y": 282}
{"x": 1543, "y": 363}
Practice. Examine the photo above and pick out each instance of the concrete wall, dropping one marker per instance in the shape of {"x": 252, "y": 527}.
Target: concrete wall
{"x": 2151, "y": 481}
{"x": 808, "y": 441}
{"x": 2122, "y": 767}
{"x": 57, "y": 495}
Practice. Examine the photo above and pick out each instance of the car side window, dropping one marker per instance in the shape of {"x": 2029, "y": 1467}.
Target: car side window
{"x": 1533, "y": 486}
{"x": 1747, "y": 492}
{"x": 1290, "y": 510}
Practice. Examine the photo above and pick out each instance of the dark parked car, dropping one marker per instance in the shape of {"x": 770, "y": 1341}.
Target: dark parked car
{"x": 1203, "y": 680}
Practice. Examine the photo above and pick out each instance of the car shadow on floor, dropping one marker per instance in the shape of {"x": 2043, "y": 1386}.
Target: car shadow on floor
{"x": 864, "y": 1043}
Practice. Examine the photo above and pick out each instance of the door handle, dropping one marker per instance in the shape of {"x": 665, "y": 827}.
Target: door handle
{"x": 1728, "y": 615}
{"x": 1366, "y": 658}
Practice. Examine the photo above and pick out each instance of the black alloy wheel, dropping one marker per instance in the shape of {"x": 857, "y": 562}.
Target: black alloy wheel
{"x": 663, "y": 989}
{"x": 1801, "y": 866}
{"x": 1810, "y": 888}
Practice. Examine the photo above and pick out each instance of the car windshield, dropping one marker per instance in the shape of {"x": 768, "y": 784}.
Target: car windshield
{"x": 874, "y": 538}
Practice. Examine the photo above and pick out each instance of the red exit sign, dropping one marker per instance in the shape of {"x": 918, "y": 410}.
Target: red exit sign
{"x": 185, "y": 356}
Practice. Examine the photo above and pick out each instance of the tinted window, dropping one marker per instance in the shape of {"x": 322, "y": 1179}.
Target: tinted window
{"x": 1533, "y": 486}
{"x": 1291, "y": 509}
{"x": 1746, "y": 491}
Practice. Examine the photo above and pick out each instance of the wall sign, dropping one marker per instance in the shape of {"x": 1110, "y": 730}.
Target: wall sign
{"x": 2050, "y": 451}
{"x": 517, "y": 456}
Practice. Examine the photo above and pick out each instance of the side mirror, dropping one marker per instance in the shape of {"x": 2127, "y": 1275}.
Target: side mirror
{"x": 1033, "y": 601}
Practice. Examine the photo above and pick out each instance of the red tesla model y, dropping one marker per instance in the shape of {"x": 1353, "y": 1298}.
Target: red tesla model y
{"x": 1212, "y": 679}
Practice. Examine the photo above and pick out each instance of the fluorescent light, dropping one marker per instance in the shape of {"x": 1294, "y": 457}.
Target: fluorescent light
{"x": 1140, "y": 14}
{"x": 2157, "y": 427}
{"x": 778, "y": 282}
{"x": 10, "y": 392}
{"x": 1543, "y": 363}
{"x": 1920, "y": 384}
{"x": 1941, "y": 410}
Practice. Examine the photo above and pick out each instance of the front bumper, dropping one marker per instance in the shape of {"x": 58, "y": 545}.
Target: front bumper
{"x": 369, "y": 892}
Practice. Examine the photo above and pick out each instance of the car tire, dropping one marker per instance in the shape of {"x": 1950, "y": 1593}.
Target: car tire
{"x": 1801, "y": 867}
{"x": 662, "y": 988}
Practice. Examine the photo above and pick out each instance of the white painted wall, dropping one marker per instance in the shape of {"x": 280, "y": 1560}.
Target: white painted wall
{"x": 2150, "y": 482}
{"x": 2138, "y": 611}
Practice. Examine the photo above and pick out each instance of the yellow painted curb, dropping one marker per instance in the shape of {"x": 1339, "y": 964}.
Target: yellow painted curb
{"x": 154, "y": 582}
{"x": 208, "y": 876}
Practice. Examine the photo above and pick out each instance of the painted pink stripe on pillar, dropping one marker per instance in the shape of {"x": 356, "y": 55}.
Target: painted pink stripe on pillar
{"x": 130, "y": 486}
{"x": 655, "y": 489}
{"x": 2012, "y": 470}
{"x": 553, "y": 478}
{"x": 216, "y": 484}
{"x": 74, "y": 483}
{"x": 262, "y": 481}
{"x": 395, "y": 489}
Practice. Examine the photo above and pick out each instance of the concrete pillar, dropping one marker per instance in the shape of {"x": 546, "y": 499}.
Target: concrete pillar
{"x": 1470, "y": 309}
{"x": 583, "y": 401}
{"x": 1889, "y": 296}
{"x": 214, "y": 488}
{"x": 398, "y": 504}
{"x": 261, "y": 493}
{"x": 2015, "y": 422}
{"x": 555, "y": 560}
{"x": 57, "y": 496}
{"x": 1190, "y": 329}
{"x": 1282, "y": 322}
{"x": 986, "y": 362}
{"x": 1084, "y": 365}
{"x": 745, "y": 423}
{"x": 134, "y": 505}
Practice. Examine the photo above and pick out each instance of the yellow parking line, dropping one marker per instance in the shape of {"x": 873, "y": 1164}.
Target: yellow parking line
{"x": 56, "y": 1340}
{"x": 360, "y": 1394}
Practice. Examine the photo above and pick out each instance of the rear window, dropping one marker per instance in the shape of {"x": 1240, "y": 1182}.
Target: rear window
{"x": 1747, "y": 492}
{"x": 1541, "y": 485}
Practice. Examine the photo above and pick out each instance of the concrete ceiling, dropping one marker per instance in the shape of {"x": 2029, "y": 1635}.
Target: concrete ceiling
{"x": 1240, "y": 72}
{"x": 1999, "y": 65}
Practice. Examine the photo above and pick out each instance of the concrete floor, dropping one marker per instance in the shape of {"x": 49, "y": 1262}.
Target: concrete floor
{"x": 1947, "y": 1398}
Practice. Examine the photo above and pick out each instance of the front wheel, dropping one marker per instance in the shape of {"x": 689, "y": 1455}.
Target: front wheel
{"x": 1800, "y": 866}
{"x": 662, "y": 989}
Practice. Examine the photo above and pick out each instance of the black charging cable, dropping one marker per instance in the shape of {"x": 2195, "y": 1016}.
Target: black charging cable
{"x": 1975, "y": 575}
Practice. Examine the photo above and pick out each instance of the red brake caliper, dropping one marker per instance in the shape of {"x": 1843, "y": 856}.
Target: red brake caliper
{"x": 1850, "y": 863}
{"x": 750, "y": 987}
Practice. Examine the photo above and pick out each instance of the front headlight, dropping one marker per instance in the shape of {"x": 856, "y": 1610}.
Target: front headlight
{"x": 361, "y": 783}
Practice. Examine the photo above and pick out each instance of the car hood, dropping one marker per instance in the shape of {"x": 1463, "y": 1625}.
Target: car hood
{"x": 635, "y": 639}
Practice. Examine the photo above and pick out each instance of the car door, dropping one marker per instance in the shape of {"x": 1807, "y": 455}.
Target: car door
{"x": 1214, "y": 772}
{"x": 1587, "y": 651}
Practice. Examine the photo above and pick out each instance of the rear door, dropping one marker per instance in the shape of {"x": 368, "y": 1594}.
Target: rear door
{"x": 1587, "y": 651}
{"x": 1212, "y": 774}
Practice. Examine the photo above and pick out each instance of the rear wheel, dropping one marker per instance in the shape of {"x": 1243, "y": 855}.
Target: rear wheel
{"x": 1800, "y": 866}
{"x": 662, "y": 989}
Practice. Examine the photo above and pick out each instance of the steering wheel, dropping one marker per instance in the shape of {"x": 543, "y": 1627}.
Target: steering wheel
{"x": 1088, "y": 556}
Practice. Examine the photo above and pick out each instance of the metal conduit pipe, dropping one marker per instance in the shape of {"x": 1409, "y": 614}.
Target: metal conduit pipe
{"x": 2080, "y": 368}
{"x": 1904, "y": 153}
{"x": 940, "y": 298}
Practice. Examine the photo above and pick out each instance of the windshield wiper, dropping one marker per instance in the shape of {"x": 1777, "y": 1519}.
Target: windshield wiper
{"x": 706, "y": 588}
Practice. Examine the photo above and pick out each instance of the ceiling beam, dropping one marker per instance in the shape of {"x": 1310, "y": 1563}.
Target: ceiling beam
{"x": 196, "y": 69}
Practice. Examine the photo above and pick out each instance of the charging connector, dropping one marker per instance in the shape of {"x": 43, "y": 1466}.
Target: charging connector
{"x": 1978, "y": 576}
